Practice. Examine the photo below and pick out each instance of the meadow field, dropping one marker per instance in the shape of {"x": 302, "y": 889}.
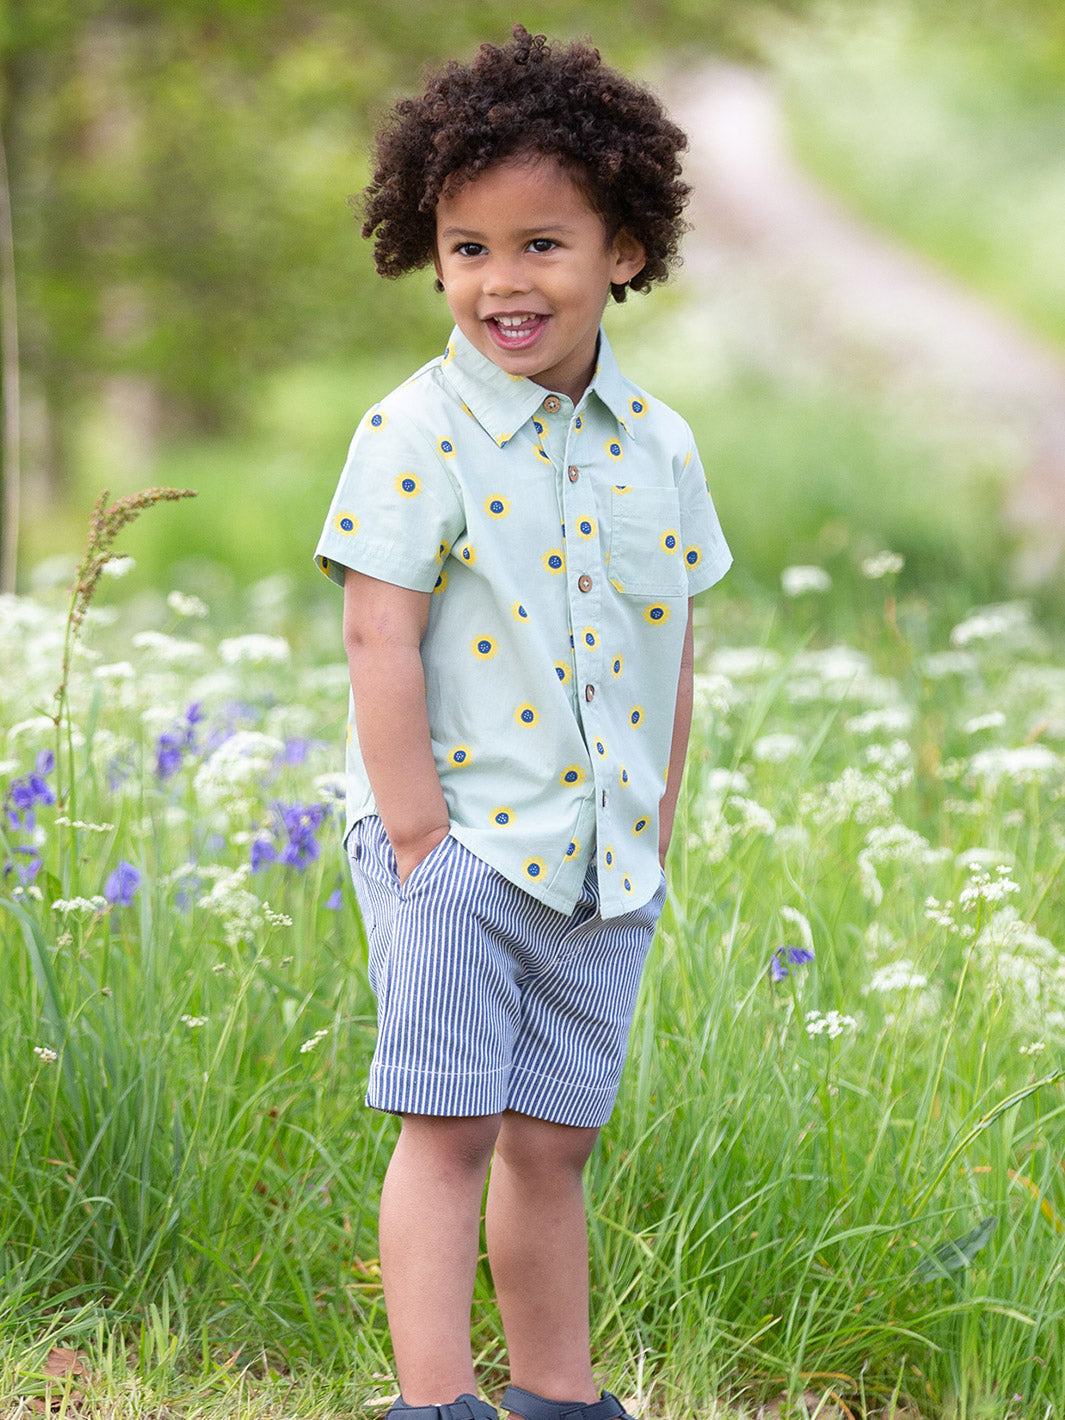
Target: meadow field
{"x": 835, "y": 1168}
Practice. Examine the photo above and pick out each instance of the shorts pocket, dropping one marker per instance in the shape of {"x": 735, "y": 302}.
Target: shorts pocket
{"x": 419, "y": 870}
{"x": 645, "y": 542}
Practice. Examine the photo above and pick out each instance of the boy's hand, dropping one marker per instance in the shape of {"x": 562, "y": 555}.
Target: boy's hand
{"x": 409, "y": 855}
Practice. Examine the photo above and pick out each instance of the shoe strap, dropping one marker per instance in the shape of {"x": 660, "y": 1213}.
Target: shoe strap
{"x": 466, "y": 1407}
{"x": 535, "y": 1407}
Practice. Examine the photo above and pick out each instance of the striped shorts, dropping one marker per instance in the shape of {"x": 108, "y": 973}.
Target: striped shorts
{"x": 486, "y": 998}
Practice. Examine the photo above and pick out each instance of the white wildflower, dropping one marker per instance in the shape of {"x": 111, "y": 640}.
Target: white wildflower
{"x": 776, "y": 748}
{"x": 77, "y": 905}
{"x": 744, "y": 662}
{"x": 276, "y": 919}
{"x": 893, "y": 843}
{"x": 989, "y": 623}
{"x": 114, "y": 670}
{"x": 170, "y": 650}
{"x": 193, "y": 1022}
{"x": 254, "y": 649}
{"x": 64, "y": 822}
{"x": 713, "y": 694}
{"x": 899, "y": 975}
{"x": 883, "y": 564}
{"x": 244, "y": 758}
{"x": 982, "y": 887}
{"x": 993, "y": 720}
{"x": 892, "y": 720}
{"x": 799, "y": 580}
{"x": 118, "y": 566}
{"x": 330, "y": 786}
{"x": 239, "y": 911}
{"x": 308, "y": 1045}
{"x": 853, "y": 795}
{"x": 45, "y": 1055}
{"x": 832, "y": 1024}
{"x": 1026, "y": 764}
{"x": 981, "y": 858}
{"x": 181, "y": 604}
{"x": 1035, "y": 1048}
{"x": 940, "y": 664}
{"x": 753, "y": 817}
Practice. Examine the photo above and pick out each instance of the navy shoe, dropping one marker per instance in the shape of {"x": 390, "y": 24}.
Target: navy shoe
{"x": 535, "y": 1407}
{"x": 466, "y": 1407}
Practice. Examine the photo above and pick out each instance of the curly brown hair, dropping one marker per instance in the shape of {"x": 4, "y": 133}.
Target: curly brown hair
{"x": 526, "y": 97}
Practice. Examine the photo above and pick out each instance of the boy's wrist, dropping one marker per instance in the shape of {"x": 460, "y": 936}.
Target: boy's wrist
{"x": 411, "y": 847}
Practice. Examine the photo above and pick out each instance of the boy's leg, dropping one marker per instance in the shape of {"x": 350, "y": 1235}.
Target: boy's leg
{"x": 429, "y": 1236}
{"x": 538, "y": 1251}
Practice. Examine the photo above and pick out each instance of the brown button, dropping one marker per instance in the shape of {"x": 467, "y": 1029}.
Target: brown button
{"x": 573, "y": 472}
{"x": 589, "y": 692}
{"x": 552, "y": 404}
{"x": 584, "y": 582}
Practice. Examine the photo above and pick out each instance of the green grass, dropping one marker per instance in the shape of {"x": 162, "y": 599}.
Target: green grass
{"x": 188, "y": 1194}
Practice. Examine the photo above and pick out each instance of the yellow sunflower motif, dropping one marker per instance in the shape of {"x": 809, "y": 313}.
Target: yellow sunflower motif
{"x": 445, "y": 448}
{"x": 484, "y": 647}
{"x": 345, "y": 523}
{"x": 323, "y": 563}
{"x": 497, "y": 506}
{"x": 518, "y": 612}
{"x": 376, "y": 420}
{"x": 534, "y": 867}
{"x": 555, "y": 561}
{"x": 636, "y": 716}
{"x": 503, "y": 817}
{"x": 623, "y": 776}
{"x": 526, "y": 715}
{"x": 638, "y": 407}
{"x": 617, "y": 665}
{"x": 468, "y": 555}
{"x": 600, "y": 749}
{"x": 669, "y": 541}
{"x": 562, "y": 670}
{"x": 693, "y": 556}
{"x": 573, "y": 849}
{"x": 626, "y": 883}
{"x": 613, "y": 448}
{"x": 460, "y": 755}
{"x": 656, "y": 614}
{"x": 541, "y": 454}
{"x": 608, "y": 856}
{"x": 639, "y": 826}
{"x": 441, "y": 584}
{"x": 586, "y": 527}
{"x": 578, "y": 424}
{"x": 590, "y": 637}
{"x": 572, "y": 774}
{"x": 407, "y": 486}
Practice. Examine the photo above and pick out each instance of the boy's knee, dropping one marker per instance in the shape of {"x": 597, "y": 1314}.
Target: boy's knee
{"x": 538, "y": 1146}
{"x": 455, "y": 1142}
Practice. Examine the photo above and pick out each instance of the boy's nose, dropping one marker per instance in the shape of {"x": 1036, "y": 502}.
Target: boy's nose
{"x": 505, "y": 277}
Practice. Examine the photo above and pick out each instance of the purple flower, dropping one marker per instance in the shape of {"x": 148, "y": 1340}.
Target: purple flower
{"x": 783, "y": 956}
{"x": 335, "y": 901}
{"x": 25, "y": 872}
{"x": 45, "y": 761}
{"x": 295, "y": 752}
{"x": 173, "y": 744}
{"x": 122, "y": 885}
{"x": 263, "y": 853}
{"x": 29, "y": 790}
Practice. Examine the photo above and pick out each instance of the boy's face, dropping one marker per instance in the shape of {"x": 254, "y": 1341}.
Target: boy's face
{"x": 527, "y": 268}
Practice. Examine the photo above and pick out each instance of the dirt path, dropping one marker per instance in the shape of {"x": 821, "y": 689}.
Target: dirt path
{"x": 816, "y": 279}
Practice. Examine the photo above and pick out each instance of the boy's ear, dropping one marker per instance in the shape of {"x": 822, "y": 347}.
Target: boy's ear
{"x": 629, "y": 258}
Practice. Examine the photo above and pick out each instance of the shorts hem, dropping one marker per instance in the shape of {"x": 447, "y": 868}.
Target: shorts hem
{"x": 560, "y": 1101}
{"x": 398, "y": 1091}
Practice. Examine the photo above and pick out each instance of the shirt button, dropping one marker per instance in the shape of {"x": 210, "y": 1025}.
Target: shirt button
{"x": 573, "y": 473}
{"x": 552, "y": 404}
{"x": 584, "y": 582}
{"x": 589, "y": 692}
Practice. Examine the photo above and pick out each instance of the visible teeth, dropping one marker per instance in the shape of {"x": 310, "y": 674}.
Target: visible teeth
{"x": 510, "y": 322}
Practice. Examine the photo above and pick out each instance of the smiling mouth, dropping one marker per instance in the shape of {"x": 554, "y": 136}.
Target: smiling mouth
{"x": 515, "y": 332}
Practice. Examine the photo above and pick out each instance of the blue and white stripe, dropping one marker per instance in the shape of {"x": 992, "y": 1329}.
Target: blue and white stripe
{"x": 487, "y": 998}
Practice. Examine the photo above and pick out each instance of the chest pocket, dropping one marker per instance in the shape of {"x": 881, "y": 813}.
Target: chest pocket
{"x": 645, "y": 542}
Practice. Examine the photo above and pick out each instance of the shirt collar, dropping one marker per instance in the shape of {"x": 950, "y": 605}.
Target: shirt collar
{"x": 502, "y": 403}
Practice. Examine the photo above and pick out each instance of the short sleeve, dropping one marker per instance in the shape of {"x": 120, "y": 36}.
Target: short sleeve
{"x": 396, "y": 510}
{"x": 706, "y": 554}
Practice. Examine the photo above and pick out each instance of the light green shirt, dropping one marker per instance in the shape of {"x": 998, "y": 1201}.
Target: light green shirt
{"x": 560, "y": 544}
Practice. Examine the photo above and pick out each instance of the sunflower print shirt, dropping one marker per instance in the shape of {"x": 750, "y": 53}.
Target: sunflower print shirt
{"x": 559, "y": 544}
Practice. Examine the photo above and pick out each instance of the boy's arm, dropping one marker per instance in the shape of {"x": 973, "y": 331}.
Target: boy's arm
{"x": 383, "y": 629}
{"x": 682, "y": 722}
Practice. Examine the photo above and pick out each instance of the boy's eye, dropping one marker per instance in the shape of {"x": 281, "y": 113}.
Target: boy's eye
{"x": 542, "y": 244}
{"x": 470, "y": 249}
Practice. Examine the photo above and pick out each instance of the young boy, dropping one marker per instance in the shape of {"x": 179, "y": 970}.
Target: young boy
{"x": 519, "y": 532}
